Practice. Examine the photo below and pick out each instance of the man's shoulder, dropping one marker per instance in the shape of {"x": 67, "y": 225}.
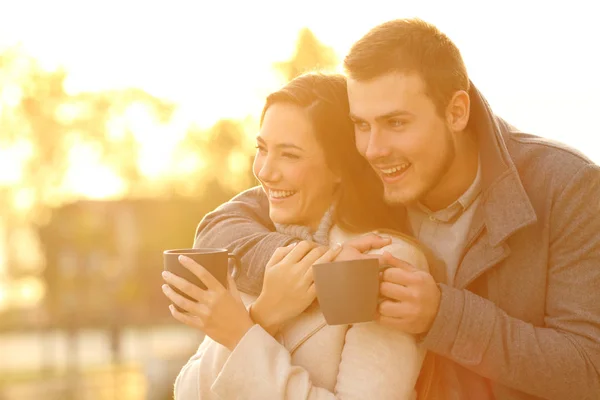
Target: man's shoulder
{"x": 542, "y": 160}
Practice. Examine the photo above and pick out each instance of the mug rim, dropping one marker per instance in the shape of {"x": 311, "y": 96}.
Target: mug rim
{"x": 356, "y": 260}
{"x": 200, "y": 250}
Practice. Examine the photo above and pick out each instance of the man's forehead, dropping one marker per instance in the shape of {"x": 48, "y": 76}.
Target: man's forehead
{"x": 390, "y": 83}
{"x": 384, "y": 95}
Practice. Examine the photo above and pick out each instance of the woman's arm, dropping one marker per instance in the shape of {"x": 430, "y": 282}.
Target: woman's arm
{"x": 257, "y": 366}
{"x": 379, "y": 363}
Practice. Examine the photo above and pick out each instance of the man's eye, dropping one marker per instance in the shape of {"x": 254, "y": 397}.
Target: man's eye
{"x": 362, "y": 126}
{"x": 396, "y": 123}
{"x": 290, "y": 155}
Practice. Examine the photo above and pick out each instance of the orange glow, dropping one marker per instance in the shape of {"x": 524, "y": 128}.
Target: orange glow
{"x": 87, "y": 175}
{"x": 3, "y": 297}
{"x": 11, "y": 160}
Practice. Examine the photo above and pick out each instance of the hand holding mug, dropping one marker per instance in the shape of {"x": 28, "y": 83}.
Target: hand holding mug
{"x": 288, "y": 287}
{"x": 216, "y": 310}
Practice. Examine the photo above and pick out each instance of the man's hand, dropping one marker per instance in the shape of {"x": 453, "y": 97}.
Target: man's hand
{"x": 355, "y": 248}
{"x": 413, "y": 297}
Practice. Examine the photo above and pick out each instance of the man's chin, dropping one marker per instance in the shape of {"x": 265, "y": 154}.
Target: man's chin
{"x": 397, "y": 198}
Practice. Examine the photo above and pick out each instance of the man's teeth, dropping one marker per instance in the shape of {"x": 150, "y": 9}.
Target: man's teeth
{"x": 395, "y": 169}
{"x": 280, "y": 194}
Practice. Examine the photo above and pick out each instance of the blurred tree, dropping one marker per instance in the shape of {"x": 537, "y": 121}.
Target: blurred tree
{"x": 50, "y": 125}
{"x": 310, "y": 55}
{"x": 43, "y": 129}
{"x": 226, "y": 151}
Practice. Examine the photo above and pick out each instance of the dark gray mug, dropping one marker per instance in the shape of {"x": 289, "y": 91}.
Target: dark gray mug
{"x": 214, "y": 260}
{"x": 348, "y": 291}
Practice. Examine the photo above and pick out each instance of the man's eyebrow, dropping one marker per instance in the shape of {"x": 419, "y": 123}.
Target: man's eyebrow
{"x": 391, "y": 114}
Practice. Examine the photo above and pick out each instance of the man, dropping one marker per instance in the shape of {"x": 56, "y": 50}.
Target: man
{"x": 513, "y": 311}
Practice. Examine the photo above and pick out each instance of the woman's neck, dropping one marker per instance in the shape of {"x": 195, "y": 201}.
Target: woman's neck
{"x": 318, "y": 233}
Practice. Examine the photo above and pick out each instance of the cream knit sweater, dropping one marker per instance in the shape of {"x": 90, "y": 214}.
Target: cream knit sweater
{"x": 309, "y": 359}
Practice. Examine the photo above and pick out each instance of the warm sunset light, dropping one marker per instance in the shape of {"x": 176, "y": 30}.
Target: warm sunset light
{"x": 123, "y": 123}
{"x": 209, "y": 70}
{"x": 3, "y": 297}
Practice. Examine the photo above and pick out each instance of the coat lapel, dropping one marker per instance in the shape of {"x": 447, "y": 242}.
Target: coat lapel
{"x": 480, "y": 258}
{"x": 494, "y": 221}
{"x": 504, "y": 207}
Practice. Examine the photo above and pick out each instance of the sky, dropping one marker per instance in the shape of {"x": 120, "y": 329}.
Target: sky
{"x": 533, "y": 60}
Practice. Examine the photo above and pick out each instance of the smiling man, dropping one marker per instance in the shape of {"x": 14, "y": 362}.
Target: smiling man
{"x": 512, "y": 309}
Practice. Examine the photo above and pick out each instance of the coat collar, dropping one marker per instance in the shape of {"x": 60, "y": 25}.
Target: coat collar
{"x": 505, "y": 206}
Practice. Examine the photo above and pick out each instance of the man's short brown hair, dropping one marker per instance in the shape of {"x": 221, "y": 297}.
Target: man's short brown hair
{"x": 410, "y": 45}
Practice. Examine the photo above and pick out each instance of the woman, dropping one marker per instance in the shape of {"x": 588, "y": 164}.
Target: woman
{"x": 322, "y": 191}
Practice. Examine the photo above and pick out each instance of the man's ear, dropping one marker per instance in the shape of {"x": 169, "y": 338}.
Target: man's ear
{"x": 458, "y": 111}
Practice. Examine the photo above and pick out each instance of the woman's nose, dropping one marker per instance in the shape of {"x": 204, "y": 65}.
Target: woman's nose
{"x": 268, "y": 171}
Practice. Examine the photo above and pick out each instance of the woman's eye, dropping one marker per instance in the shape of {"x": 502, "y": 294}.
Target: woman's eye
{"x": 290, "y": 155}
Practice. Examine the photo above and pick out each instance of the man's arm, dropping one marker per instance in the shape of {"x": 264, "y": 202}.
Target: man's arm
{"x": 562, "y": 359}
{"x": 242, "y": 225}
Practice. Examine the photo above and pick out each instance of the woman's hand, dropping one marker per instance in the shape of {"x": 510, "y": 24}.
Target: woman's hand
{"x": 216, "y": 311}
{"x": 288, "y": 287}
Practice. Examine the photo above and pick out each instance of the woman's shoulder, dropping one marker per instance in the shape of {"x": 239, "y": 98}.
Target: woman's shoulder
{"x": 403, "y": 246}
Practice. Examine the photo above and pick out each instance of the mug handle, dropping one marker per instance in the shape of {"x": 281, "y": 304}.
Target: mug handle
{"x": 236, "y": 265}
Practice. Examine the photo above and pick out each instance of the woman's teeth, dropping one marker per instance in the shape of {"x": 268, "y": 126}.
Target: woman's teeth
{"x": 395, "y": 170}
{"x": 280, "y": 194}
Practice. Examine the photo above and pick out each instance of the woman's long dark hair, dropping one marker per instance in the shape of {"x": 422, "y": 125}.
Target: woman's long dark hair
{"x": 360, "y": 203}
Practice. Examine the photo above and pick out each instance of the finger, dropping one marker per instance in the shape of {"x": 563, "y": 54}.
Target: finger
{"x": 330, "y": 254}
{"x": 232, "y": 287}
{"x": 389, "y": 259}
{"x": 400, "y": 276}
{"x": 299, "y": 251}
{"x": 312, "y": 292}
{"x": 308, "y": 277}
{"x": 183, "y": 285}
{"x": 187, "y": 319}
{"x": 395, "y": 292}
{"x": 368, "y": 242}
{"x": 205, "y": 277}
{"x": 401, "y": 310}
{"x": 280, "y": 253}
{"x": 312, "y": 256}
{"x": 179, "y": 300}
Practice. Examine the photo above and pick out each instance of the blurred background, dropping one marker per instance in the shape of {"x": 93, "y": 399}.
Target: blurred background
{"x": 123, "y": 122}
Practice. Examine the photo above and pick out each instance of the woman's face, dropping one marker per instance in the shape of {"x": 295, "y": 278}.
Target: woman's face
{"x": 290, "y": 165}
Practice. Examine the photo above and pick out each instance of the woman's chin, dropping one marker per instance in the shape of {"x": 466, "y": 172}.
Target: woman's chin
{"x": 282, "y": 218}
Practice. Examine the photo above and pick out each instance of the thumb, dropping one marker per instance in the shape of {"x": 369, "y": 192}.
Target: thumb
{"x": 388, "y": 259}
{"x": 232, "y": 287}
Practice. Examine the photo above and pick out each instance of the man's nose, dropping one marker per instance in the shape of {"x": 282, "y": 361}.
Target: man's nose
{"x": 377, "y": 146}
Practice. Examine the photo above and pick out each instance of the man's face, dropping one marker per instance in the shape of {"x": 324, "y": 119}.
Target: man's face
{"x": 399, "y": 131}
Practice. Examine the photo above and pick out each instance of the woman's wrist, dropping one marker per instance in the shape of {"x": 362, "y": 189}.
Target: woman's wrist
{"x": 245, "y": 325}
{"x": 262, "y": 315}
